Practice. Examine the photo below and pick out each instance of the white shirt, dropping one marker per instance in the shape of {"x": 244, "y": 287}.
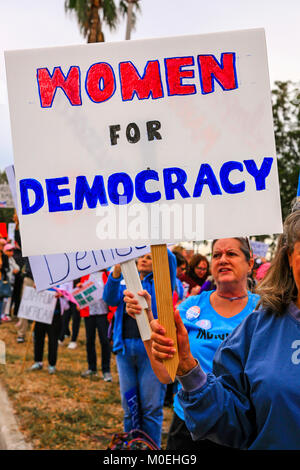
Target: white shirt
{"x": 100, "y": 307}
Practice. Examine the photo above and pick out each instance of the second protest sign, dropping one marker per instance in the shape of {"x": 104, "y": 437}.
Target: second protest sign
{"x": 37, "y": 306}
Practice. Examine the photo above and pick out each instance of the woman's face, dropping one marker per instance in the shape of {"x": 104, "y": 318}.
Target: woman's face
{"x": 180, "y": 270}
{"x": 294, "y": 260}
{"x": 229, "y": 264}
{"x": 144, "y": 264}
{"x": 201, "y": 269}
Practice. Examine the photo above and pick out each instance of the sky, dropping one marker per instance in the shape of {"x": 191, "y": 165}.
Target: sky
{"x": 26, "y": 24}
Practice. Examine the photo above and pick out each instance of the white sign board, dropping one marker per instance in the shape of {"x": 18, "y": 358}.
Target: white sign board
{"x": 10, "y": 173}
{"x": 259, "y": 248}
{"x": 143, "y": 142}
{"x": 52, "y": 270}
{"x": 37, "y": 306}
{"x": 11, "y": 231}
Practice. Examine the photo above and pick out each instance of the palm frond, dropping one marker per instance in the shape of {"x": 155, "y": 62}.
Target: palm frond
{"x": 110, "y": 13}
{"x": 81, "y": 8}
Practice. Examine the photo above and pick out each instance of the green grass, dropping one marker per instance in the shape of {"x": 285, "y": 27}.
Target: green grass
{"x": 64, "y": 410}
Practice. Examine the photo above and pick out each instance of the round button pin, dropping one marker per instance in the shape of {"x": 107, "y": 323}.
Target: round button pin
{"x": 204, "y": 324}
{"x": 193, "y": 312}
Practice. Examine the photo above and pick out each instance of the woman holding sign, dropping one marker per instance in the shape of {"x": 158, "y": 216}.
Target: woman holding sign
{"x": 208, "y": 319}
{"x": 251, "y": 400}
{"x": 52, "y": 330}
{"x": 142, "y": 394}
{"x": 96, "y": 318}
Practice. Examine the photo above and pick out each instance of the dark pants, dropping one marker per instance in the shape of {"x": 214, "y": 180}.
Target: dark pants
{"x": 16, "y": 294}
{"x": 73, "y": 313}
{"x": 40, "y": 331}
{"x": 179, "y": 438}
{"x": 99, "y": 323}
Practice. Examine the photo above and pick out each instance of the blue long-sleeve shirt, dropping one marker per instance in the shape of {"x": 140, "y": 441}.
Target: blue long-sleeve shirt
{"x": 113, "y": 296}
{"x": 252, "y": 398}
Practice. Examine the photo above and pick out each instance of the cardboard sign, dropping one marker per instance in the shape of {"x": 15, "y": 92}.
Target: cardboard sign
{"x": 52, "y": 270}
{"x": 37, "y": 306}
{"x": 6, "y": 200}
{"x": 143, "y": 142}
{"x": 259, "y": 248}
{"x": 11, "y": 231}
{"x": 88, "y": 294}
{"x": 11, "y": 177}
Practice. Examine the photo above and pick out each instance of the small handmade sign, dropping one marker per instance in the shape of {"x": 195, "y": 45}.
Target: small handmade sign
{"x": 88, "y": 294}
{"x": 37, "y": 306}
{"x": 259, "y": 249}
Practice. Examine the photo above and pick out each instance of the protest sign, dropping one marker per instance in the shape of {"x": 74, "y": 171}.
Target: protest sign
{"x": 259, "y": 248}
{"x": 37, "y": 306}
{"x": 51, "y": 270}
{"x": 6, "y": 200}
{"x": 11, "y": 231}
{"x": 88, "y": 294}
{"x": 10, "y": 173}
{"x": 143, "y": 142}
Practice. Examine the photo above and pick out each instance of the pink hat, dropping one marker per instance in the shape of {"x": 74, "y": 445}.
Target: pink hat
{"x": 8, "y": 247}
{"x": 2, "y": 240}
{"x": 262, "y": 271}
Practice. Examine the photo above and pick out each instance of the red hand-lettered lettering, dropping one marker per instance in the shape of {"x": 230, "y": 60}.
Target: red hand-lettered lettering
{"x": 210, "y": 70}
{"x": 48, "y": 85}
{"x": 149, "y": 84}
{"x": 100, "y": 82}
{"x": 175, "y": 75}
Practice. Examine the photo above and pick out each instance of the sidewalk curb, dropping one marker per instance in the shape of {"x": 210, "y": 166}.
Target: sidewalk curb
{"x": 10, "y": 436}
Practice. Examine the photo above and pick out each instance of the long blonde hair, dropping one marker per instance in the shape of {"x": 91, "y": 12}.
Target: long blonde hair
{"x": 278, "y": 288}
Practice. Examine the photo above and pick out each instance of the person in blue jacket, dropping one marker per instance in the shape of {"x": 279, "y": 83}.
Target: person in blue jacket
{"x": 142, "y": 394}
{"x": 251, "y": 399}
{"x": 209, "y": 318}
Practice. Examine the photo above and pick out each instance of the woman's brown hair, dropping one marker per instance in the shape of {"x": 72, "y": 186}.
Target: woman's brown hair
{"x": 278, "y": 288}
{"x": 196, "y": 259}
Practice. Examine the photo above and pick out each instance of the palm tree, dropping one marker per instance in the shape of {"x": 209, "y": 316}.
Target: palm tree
{"x": 91, "y": 14}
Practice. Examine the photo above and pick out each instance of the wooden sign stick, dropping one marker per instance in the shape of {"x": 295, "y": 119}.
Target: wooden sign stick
{"x": 164, "y": 301}
{"x": 27, "y": 346}
{"x": 134, "y": 285}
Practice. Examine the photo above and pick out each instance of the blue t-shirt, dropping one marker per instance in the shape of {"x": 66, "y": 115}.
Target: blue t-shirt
{"x": 207, "y": 329}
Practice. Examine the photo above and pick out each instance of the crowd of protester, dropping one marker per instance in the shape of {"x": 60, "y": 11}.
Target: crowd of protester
{"x": 214, "y": 300}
